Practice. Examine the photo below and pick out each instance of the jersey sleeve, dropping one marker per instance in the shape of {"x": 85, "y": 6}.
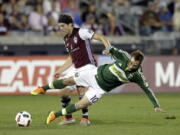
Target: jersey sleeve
{"x": 119, "y": 54}
{"x": 86, "y": 34}
{"x": 141, "y": 81}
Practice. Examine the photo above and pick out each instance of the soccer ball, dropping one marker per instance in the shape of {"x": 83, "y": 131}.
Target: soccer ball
{"x": 23, "y": 119}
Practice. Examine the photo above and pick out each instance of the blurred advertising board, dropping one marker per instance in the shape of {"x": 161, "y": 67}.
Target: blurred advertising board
{"x": 20, "y": 75}
{"x": 161, "y": 72}
{"x": 23, "y": 74}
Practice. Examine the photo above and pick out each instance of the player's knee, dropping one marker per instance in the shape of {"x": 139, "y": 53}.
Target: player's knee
{"x": 81, "y": 90}
{"x": 81, "y": 105}
{"x": 69, "y": 81}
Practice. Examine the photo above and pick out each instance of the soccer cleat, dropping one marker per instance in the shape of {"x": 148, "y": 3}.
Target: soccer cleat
{"x": 38, "y": 91}
{"x": 50, "y": 118}
{"x": 67, "y": 121}
{"x": 85, "y": 122}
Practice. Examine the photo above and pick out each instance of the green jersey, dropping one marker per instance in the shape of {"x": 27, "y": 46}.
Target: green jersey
{"x": 110, "y": 76}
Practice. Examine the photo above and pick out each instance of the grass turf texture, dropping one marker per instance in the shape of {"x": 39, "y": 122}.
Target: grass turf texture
{"x": 122, "y": 114}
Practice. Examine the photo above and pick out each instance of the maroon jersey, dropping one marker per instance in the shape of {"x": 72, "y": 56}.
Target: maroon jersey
{"x": 79, "y": 47}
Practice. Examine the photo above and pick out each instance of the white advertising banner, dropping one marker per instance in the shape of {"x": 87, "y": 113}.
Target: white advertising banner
{"x": 23, "y": 74}
{"x": 19, "y": 75}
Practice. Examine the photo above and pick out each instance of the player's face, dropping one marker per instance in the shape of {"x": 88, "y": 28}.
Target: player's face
{"x": 64, "y": 28}
{"x": 133, "y": 64}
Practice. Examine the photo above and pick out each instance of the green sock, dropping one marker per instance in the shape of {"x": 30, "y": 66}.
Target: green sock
{"x": 46, "y": 87}
{"x": 59, "y": 84}
{"x": 57, "y": 114}
{"x": 69, "y": 109}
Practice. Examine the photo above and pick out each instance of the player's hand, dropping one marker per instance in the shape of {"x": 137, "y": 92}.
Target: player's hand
{"x": 106, "y": 52}
{"x": 57, "y": 75}
{"x": 158, "y": 109}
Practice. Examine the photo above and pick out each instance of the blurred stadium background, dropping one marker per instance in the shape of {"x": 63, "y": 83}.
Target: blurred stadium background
{"x": 30, "y": 53}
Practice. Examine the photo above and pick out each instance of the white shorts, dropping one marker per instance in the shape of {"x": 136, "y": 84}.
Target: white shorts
{"x": 87, "y": 78}
{"x": 72, "y": 71}
{"x": 69, "y": 73}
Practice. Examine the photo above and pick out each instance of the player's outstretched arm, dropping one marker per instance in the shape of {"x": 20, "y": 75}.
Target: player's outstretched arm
{"x": 107, "y": 53}
{"x": 144, "y": 85}
{"x": 103, "y": 39}
{"x": 64, "y": 67}
{"x": 117, "y": 53}
{"x": 141, "y": 81}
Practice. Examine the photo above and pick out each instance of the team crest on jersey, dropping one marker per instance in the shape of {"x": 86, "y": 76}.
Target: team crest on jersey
{"x": 77, "y": 74}
{"x": 75, "y": 40}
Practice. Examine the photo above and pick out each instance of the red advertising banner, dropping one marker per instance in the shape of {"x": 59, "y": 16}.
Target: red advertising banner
{"x": 20, "y": 75}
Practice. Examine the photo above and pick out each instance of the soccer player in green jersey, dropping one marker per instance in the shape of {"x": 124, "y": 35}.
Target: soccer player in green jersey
{"x": 127, "y": 68}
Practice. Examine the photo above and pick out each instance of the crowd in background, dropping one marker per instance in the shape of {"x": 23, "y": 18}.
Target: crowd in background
{"x": 108, "y": 17}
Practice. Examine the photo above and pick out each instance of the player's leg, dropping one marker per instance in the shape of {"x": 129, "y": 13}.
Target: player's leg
{"x": 90, "y": 97}
{"x": 54, "y": 84}
{"x": 65, "y": 100}
{"x": 87, "y": 78}
{"x": 85, "y": 115}
{"x": 57, "y": 84}
{"x": 71, "y": 108}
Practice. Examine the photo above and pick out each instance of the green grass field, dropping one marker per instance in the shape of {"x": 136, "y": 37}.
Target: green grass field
{"x": 121, "y": 114}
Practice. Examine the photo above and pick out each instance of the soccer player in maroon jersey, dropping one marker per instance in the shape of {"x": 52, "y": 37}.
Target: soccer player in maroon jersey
{"x": 77, "y": 43}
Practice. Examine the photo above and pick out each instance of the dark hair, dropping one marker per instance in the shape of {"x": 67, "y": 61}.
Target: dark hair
{"x": 65, "y": 18}
{"x": 138, "y": 55}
